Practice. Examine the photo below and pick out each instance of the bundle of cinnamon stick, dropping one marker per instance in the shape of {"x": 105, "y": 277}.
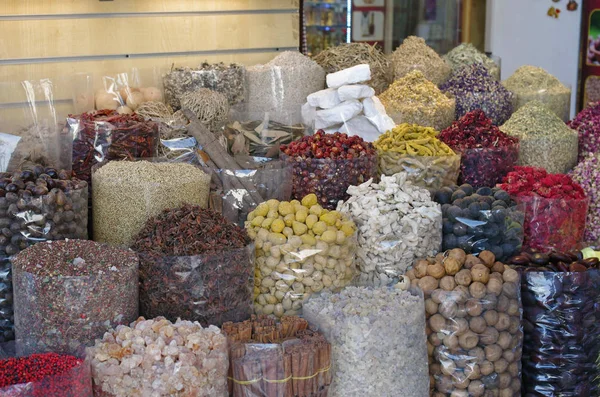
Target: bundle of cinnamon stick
{"x": 277, "y": 358}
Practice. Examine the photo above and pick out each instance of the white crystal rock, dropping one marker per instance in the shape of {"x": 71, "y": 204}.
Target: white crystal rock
{"x": 355, "y": 74}
{"x": 339, "y": 114}
{"x": 358, "y": 91}
{"x": 361, "y": 126}
{"x": 308, "y": 114}
{"x": 375, "y": 112}
{"x": 324, "y": 99}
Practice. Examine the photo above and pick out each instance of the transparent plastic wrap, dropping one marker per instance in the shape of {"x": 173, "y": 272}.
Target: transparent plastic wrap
{"x": 561, "y": 349}
{"x": 83, "y": 93}
{"x": 329, "y": 178}
{"x": 397, "y": 223}
{"x": 377, "y": 340}
{"x": 497, "y": 104}
{"x": 484, "y": 167}
{"x": 127, "y": 193}
{"x": 430, "y": 172}
{"x": 31, "y": 126}
{"x": 277, "y": 358}
{"x": 474, "y": 313}
{"x": 194, "y": 362}
{"x": 50, "y": 374}
{"x": 270, "y": 182}
{"x": 126, "y": 91}
{"x": 558, "y": 101}
{"x": 229, "y": 80}
{"x": 438, "y": 117}
{"x": 209, "y": 288}
{"x": 301, "y": 249}
{"x": 557, "y": 224}
{"x": 68, "y": 293}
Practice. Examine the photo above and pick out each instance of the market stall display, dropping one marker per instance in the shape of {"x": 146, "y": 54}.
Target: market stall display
{"x": 544, "y": 139}
{"x": 587, "y": 125}
{"x": 194, "y": 265}
{"x": 272, "y": 358}
{"x": 486, "y": 153}
{"x": 262, "y": 138}
{"x": 326, "y": 164}
{"x": 122, "y": 92}
{"x": 301, "y": 249}
{"x": 67, "y": 293}
{"x": 413, "y": 99}
{"x": 45, "y": 375}
{"x": 474, "y": 330}
{"x": 127, "y": 193}
{"x": 466, "y": 54}
{"x": 555, "y": 207}
{"x": 210, "y": 107}
{"x": 532, "y": 83}
{"x": 473, "y": 87}
{"x": 560, "y": 320}
{"x": 156, "y": 357}
{"x": 587, "y": 175}
{"x": 417, "y": 151}
{"x": 377, "y": 340}
{"x": 397, "y": 223}
{"x": 415, "y": 54}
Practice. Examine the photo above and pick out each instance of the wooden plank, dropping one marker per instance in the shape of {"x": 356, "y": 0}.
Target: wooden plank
{"x": 144, "y": 35}
{"x": 37, "y": 7}
{"x": 65, "y": 73}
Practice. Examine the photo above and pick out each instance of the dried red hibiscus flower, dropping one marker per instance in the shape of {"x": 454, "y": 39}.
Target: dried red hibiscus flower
{"x": 487, "y": 154}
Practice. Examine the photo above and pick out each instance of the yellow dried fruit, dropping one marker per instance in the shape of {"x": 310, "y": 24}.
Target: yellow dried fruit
{"x": 285, "y": 208}
{"x": 302, "y": 214}
{"x": 277, "y": 226}
{"x": 319, "y": 227}
{"x": 310, "y": 200}
{"x": 257, "y": 221}
{"x": 266, "y": 223}
{"x": 329, "y": 218}
{"x": 277, "y": 238}
{"x": 299, "y": 228}
{"x": 311, "y": 220}
{"x": 273, "y": 204}
{"x": 316, "y": 209}
{"x": 261, "y": 210}
{"x": 289, "y": 220}
{"x": 329, "y": 236}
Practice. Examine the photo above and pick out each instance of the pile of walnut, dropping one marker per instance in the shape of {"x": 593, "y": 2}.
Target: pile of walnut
{"x": 474, "y": 332}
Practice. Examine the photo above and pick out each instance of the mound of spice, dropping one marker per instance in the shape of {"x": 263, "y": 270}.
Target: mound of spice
{"x": 159, "y": 358}
{"x": 277, "y": 357}
{"x": 587, "y": 125}
{"x": 195, "y": 265}
{"x": 413, "y": 99}
{"x": 45, "y": 375}
{"x": 587, "y": 175}
{"x": 416, "y": 150}
{"x": 467, "y": 54}
{"x": 127, "y": 193}
{"x": 68, "y": 293}
{"x": 377, "y": 338}
{"x": 555, "y": 207}
{"x": 415, "y": 54}
{"x": 531, "y": 83}
{"x": 326, "y": 164}
{"x": 487, "y": 154}
{"x": 545, "y": 141}
{"x": 473, "y": 87}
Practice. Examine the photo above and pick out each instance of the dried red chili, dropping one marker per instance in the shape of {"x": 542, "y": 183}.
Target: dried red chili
{"x": 487, "y": 154}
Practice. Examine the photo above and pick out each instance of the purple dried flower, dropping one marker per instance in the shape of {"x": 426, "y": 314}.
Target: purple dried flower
{"x": 587, "y": 125}
{"x": 587, "y": 174}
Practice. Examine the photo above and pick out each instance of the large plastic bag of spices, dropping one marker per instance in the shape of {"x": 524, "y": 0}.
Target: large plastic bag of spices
{"x": 44, "y": 375}
{"x": 301, "y": 249}
{"x": 474, "y": 331}
{"x": 377, "y": 340}
{"x": 32, "y": 121}
{"x": 68, "y": 293}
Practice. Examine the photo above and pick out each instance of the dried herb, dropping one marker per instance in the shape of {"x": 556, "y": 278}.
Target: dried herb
{"x": 587, "y": 125}
{"x": 260, "y": 138}
{"x": 467, "y": 54}
{"x": 415, "y": 54}
{"x": 195, "y": 265}
{"x": 587, "y": 175}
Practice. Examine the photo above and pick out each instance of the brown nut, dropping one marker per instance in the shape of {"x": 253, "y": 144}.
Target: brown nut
{"x": 438, "y": 296}
{"x": 477, "y": 290}
{"x": 458, "y": 326}
{"x": 498, "y": 267}
{"x": 444, "y": 384}
{"x": 428, "y": 284}
{"x": 451, "y": 266}
{"x": 420, "y": 268}
{"x": 477, "y": 325}
{"x": 511, "y": 276}
{"x": 494, "y": 286}
{"x": 436, "y": 270}
{"x": 463, "y": 277}
{"x": 447, "y": 283}
{"x": 457, "y": 254}
{"x": 448, "y": 309}
{"x": 511, "y": 290}
{"x": 497, "y": 276}
{"x": 480, "y": 273}
{"x": 468, "y": 340}
{"x": 504, "y": 380}
{"x": 500, "y": 365}
{"x": 447, "y": 367}
{"x": 472, "y": 371}
{"x": 471, "y": 261}
{"x": 489, "y": 301}
{"x": 489, "y": 336}
{"x": 515, "y": 325}
{"x": 478, "y": 355}
{"x": 431, "y": 307}
{"x": 437, "y": 323}
{"x": 461, "y": 310}
{"x": 461, "y": 382}
{"x": 450, "y": 341}
{"x": 486, "y": 368}
{"x": 513, "y": 308}
{"x": 502, "y": 304}
{"x": 410, "y": 273}
{"x": 460, "y": 294}
{"x": 491, "y": 317}
{"x": 503, "y": 322}
{"x": 504, "y": 340}
{"x": 516, "y": 385}
{"x": 476, "y": 388}
{"x": 493, "y": 352}
{"x": 474, "y": 308}
{"x": 459, "y": 392}
{"x": 508, "y": 355}
{"x": 488, "y": 258}
{"x": 434, "y": 339}
{"x": 514, "y": 368}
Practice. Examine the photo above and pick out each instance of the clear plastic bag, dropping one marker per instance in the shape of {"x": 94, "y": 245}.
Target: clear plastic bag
{"x": 553, "y": 224}
{"x": 377, "y": 340}
{"x": 83, "y": 93}
{"x": 481, "y": 167}
{"x": 329, "y": 178}
{"x": 430, "y": 172}
{"x": 125, "y": 91}
{"x": 427, "y": 116}
{"x": 208, "y": 288}
{"x": 561, "y": 348}
{"x": 558, "y": 100}
{"x": 79, "y": 292}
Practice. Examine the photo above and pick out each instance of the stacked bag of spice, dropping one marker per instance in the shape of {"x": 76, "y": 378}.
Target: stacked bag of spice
{"x": 415, "y": 100}
{"x": 561, "y": 315}
{"x": 45, "y": 375}
{"x": 415, "y": 55}
{"x": 467, "y": 54}
{"x": 474, "y": 330}
{"x": 474, "y": 88}
{"x": 544, "y": 139}
{"x": 397, "y": 223}
{"x": 346, "y": 106}
{"x": 486, "y": 219}
{"x": 326, "y": 164}
{"x": 277, "y": 358}
{"x": 486, "y": 153}
{"x": 156, "y": 357}
{"x": 587, "y": 125}
{"x": 587, "y": 175}
{"x": 377, "y": 340}
{"x": 301, "y": 249}
{"x": 416, "y": 150}
{"x": 195, "y": 265}
{"x": 531, "y": 83}
{"x": 37, "y": 204}
{"x": 555, "y": 207}
{"x": 68, "y": 293}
